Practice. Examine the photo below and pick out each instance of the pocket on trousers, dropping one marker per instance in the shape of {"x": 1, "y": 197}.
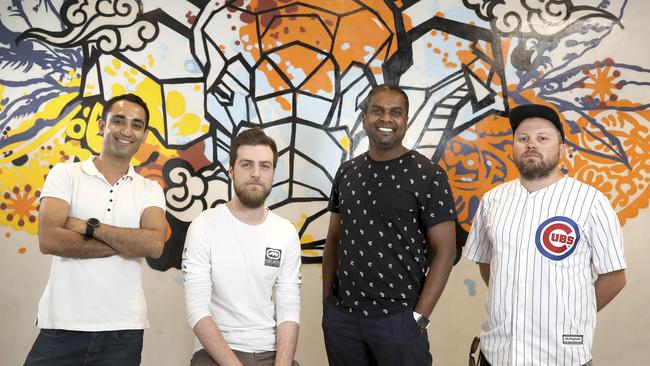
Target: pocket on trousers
{"x": 54, "y": 333}
{"x": 128, "y": 336}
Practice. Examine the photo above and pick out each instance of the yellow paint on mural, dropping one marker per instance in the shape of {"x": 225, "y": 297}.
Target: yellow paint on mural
{"x": 150, "y": 92}
{"x": 74, "y": 80}
{"x": 109, "y": 70}
{"x": 117, "y": 89}
{"x": 93, "y": 138}
{"x": 175, "y": 103}
{"x": 305, "y": 239}
{"x": 49, "y": 111}
{"x": 189, "y": 125}
{"x": 345, "y": 143}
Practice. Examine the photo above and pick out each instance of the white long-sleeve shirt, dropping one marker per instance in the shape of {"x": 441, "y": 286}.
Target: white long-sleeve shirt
{"x": 231, "y": 270}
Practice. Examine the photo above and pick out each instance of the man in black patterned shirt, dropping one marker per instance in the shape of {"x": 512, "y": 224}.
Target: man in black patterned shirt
{"x": 390, "y": 207}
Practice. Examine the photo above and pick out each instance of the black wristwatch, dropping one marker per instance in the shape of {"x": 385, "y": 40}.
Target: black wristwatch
{"x": 91, "y": 225}
{"x": 421, "y": 320}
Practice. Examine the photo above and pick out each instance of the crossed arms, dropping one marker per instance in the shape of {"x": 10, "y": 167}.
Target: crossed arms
{"x": 61, "y": 235}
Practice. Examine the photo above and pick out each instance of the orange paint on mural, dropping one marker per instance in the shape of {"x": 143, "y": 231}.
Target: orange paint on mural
{"x": 23, "y": 204}
{"x": 284, "y": 103}
{"x": 297, "y": 22}
{"x": 487, "y": 161}
{"x": 352, "y": 46}
{"x": 623, "y": 183}
{"x": 307, "y": 28}
{"x": 322, "y": 80}
{"x": 476, "y": 165}
{"x": 603, "y": 83}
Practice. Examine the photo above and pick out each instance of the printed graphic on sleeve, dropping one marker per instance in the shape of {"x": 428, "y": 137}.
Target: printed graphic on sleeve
{"x": 272, "y": 257}
{"x": 557, "y": 237}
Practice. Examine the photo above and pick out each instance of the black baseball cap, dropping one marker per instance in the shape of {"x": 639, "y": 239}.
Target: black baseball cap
{"x": 525, "y": 111}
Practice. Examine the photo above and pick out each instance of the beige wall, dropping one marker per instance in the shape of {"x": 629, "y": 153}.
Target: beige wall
{"x": 621, "y": 335}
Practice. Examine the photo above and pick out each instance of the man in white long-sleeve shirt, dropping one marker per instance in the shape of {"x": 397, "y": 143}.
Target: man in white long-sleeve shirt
{"x": 236, "y": 255}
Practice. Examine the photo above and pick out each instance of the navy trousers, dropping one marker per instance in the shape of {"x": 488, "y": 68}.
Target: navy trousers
{"x": 394, "y": 340}
{"x": 56, "y": 347}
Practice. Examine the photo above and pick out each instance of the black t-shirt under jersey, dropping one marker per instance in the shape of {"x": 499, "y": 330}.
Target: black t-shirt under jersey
{"x": 386, "y": 208}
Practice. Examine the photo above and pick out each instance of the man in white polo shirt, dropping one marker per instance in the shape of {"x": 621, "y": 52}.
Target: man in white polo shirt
{"x": 538, "y": 241}
{"x": 98, "y": 219}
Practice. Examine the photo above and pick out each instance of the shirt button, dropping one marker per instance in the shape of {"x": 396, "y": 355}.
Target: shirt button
{"x": 109, "y": 209}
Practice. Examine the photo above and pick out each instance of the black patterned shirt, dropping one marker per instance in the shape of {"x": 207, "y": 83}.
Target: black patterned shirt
{"x": 386, "y": 208}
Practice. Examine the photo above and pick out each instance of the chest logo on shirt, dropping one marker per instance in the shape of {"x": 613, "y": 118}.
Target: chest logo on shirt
{"x": 272, "y": 257}
{"x": 557, "y": 237}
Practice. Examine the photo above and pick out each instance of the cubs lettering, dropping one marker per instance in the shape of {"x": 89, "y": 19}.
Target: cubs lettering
{"x": 557, "y": 237}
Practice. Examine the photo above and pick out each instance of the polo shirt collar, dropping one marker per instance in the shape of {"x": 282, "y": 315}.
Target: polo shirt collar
{"x": 88, "y": 167}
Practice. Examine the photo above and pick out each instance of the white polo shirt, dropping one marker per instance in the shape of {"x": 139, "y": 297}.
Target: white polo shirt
{"x": 543, "y": 248}
{"x": 97, "y": 294}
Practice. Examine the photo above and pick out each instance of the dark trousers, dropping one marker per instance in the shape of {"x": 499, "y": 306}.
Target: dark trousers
{"x": 395, "y": 340}
{"x": 56, "y": 347}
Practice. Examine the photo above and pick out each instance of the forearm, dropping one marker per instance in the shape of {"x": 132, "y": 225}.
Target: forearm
{"x": 435, "y": 282}
{"x": 131, "y": 242}
{"x": 208, "y": 333}
{"x": 287, "y": 339}
{"x": 69, "y": 244}
{"x": 329, "y": 268}
{"x": 607, "y": 286}
{"x": 330, "y": 254}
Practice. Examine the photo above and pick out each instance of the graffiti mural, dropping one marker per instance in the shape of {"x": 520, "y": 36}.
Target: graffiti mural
{"x": 300, "y": 70}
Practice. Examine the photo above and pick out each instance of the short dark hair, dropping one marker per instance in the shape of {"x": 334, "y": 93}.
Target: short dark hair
{"x": 253, "y": 136}
{"x": 129, "y": 98}
{"x": 392, "y": 87}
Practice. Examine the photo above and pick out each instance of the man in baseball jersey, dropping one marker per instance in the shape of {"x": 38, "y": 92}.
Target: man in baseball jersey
{"x": 390, "y": 207}
{"x": 98, "y": 218}
{"x": 538, "y": 240}
{"x": 237, "y": 255}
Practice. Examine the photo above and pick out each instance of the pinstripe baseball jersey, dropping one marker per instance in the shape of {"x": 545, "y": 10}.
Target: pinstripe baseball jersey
{"x": 543, "y": 248}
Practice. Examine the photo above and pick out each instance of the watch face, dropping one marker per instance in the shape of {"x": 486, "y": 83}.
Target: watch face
{"x": 423, "y": 322}
{"x": 93, "y": 222}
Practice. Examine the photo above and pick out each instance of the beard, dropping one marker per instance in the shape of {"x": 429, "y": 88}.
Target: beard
{"x": 537, "y": 170}
{"x": 251, "y": 198}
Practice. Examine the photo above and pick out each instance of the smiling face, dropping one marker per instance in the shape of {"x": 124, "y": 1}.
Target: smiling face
{"x": 384, "y": 121}
{"x": 252, "y": 174}
{"x": 537, "y": 148}
{"x": 124, "y": 130}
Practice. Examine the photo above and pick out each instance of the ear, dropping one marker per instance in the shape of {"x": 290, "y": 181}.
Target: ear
{"x": 563, "y": 149}
{"x": 102, "y": 125}
{"x": 230, "y": 173}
